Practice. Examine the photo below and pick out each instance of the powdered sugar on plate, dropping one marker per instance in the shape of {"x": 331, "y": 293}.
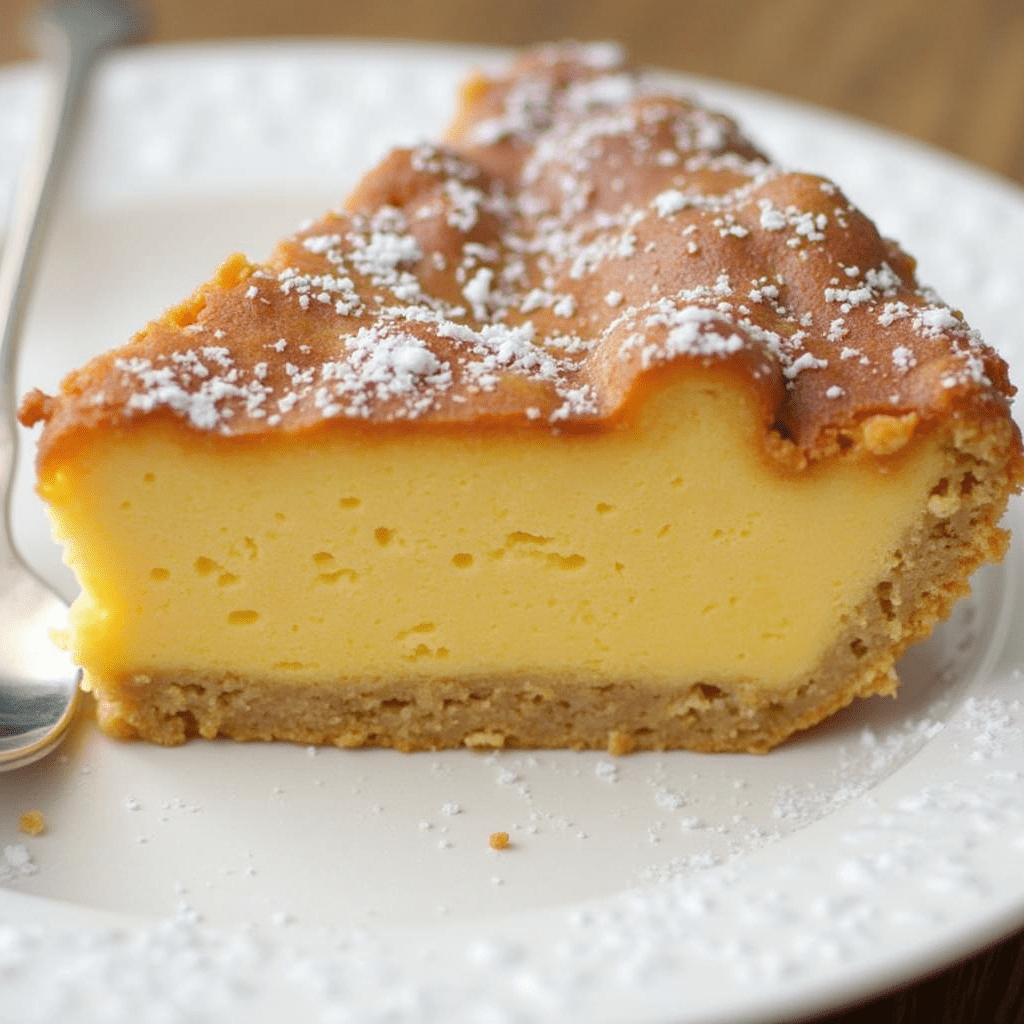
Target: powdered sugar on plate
{"x": 16, "y": 863}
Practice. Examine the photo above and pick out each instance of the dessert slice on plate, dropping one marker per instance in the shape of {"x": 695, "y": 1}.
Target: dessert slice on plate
{"x": 588, "y": 427}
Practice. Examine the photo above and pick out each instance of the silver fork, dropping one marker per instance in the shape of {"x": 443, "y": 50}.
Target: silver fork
{"x": 38, "y": 684}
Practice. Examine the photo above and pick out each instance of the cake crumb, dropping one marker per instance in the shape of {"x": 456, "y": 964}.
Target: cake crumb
{"x": 620, "y": 743}
{"x": 32, "y": 823}
{"x": 499, "y": 841}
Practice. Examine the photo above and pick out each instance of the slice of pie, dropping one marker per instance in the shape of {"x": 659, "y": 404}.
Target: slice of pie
{"x": 589, "y": 427}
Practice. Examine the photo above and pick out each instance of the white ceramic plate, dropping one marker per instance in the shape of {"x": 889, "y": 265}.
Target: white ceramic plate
{"x": 224, "y": 882}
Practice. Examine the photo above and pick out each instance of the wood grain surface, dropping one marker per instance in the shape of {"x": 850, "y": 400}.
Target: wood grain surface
{"x": 947, "y": 72}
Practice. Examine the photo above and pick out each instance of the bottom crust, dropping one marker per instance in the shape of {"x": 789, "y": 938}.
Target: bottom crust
{"x": 930, "y": 572}
{"x": 618, "y": 717}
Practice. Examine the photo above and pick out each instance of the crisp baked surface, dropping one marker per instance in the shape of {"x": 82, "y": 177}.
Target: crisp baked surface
{"x": 586, "y": 236}
{"x": 583, "y": 226}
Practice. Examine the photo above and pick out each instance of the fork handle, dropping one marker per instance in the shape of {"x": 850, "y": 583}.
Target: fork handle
{"x": 73, "y": 54}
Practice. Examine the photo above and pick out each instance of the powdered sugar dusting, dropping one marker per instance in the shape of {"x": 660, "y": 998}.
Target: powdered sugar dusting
{"x": 16, "y": 863}
{"x": 589, "y": 224}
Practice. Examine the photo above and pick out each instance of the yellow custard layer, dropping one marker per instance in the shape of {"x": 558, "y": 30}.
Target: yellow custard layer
{"x": 669, "y": 547}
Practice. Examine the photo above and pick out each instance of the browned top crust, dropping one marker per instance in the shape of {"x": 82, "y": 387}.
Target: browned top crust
{"x": 583, "y": 226}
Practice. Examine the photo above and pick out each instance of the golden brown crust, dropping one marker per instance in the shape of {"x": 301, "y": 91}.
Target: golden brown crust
{"x": 583, "y": 226}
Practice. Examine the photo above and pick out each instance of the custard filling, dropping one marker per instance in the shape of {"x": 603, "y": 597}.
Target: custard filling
{"x": 666, "y": 548}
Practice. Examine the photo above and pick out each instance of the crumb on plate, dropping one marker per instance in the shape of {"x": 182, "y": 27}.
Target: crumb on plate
{"x": 32, "y": 822}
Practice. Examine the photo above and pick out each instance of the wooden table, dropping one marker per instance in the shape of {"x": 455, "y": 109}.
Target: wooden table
{"x": 948, "y": 72}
